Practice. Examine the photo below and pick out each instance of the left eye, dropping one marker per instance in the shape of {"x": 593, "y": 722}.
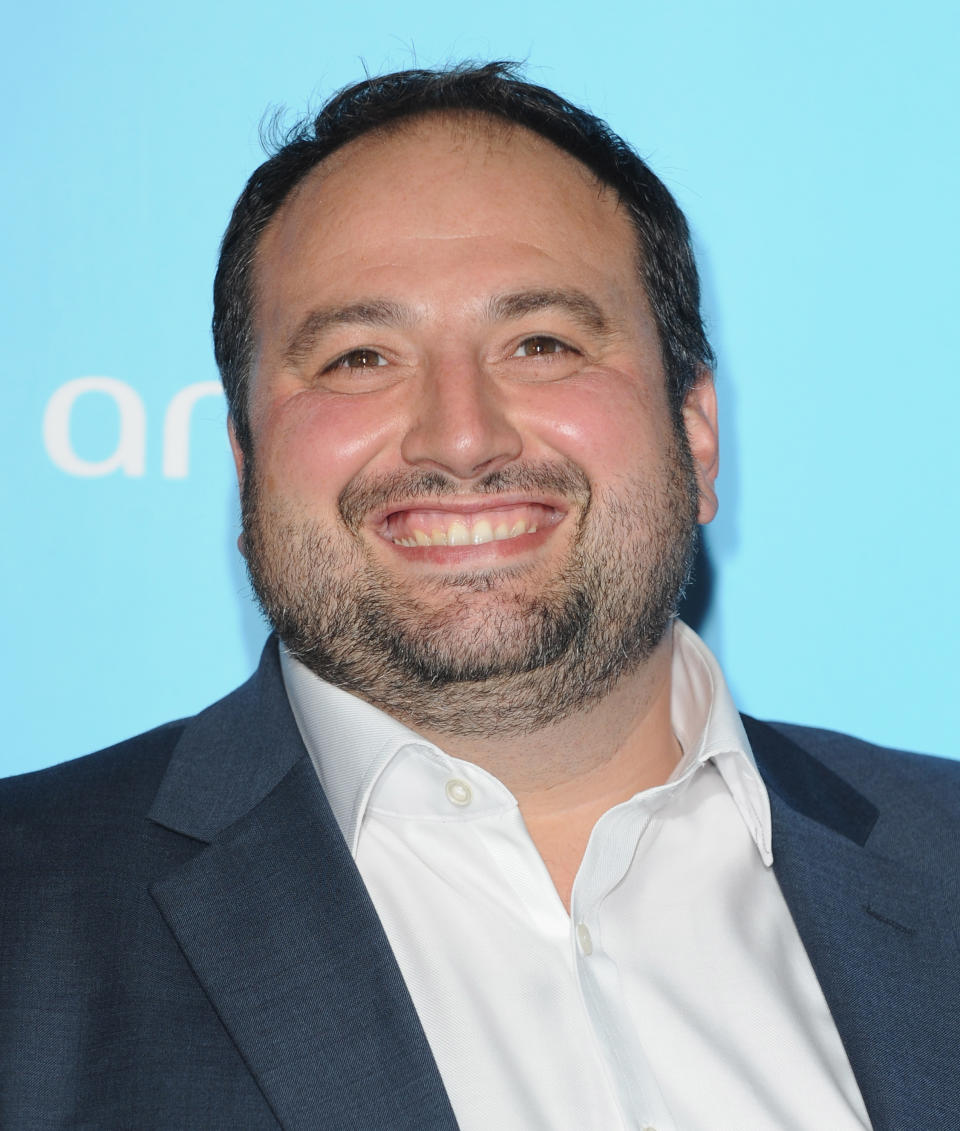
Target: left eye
{"x": 540, "y": 346}
{"x": 359, "y": 359}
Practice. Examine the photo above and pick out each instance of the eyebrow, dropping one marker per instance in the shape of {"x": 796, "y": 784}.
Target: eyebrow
{"x": 578, "y": 305}
{"x": 373, "y": 312}
{"x": 500, "y": 308}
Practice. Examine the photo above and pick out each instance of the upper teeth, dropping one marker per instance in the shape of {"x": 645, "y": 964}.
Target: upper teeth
{"x": 460, "y": 532}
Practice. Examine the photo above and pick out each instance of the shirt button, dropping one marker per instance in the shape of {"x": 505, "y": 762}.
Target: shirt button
{"x": 458, "y": 792}
{"x": 583, "y": 938}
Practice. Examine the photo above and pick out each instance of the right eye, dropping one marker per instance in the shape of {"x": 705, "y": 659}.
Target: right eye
{"x": 357, "y": 359}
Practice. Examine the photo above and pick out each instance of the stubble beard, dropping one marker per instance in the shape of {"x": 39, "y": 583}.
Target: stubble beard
{"x": 480, "y": 653}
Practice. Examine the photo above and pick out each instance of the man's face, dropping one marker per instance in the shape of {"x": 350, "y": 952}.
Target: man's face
{"x": 467, "y": 500}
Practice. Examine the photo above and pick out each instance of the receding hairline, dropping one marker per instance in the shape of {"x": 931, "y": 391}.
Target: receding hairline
{"x": 465, "y": 124}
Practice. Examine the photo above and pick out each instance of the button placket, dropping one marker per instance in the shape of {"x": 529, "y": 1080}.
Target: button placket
{"x": 584, "y": 939}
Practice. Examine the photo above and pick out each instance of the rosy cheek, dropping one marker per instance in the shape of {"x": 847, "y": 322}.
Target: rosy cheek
{"x": 319, "y": 442}
{"x": 600, "y": 423}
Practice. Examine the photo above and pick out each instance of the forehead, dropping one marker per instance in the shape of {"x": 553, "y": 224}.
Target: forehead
{"x": 440, "y": 191}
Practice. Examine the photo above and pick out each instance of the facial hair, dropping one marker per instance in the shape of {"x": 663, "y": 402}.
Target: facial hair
{"x": 482, "y": 652}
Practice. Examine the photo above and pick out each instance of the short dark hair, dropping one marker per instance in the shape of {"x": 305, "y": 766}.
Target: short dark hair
{"x": 667, "y": 265}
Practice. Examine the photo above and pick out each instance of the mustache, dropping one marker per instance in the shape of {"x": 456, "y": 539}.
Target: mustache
{"x": 365, "y": 494}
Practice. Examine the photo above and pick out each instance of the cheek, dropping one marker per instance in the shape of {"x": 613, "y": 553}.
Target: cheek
{"x": 605, "y": 424}
{"x": 312, "y": 444}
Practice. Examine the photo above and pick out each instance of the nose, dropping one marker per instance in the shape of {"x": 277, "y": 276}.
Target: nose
{"x": 460, "y": 423}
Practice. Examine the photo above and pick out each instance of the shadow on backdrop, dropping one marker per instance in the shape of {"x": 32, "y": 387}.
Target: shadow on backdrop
{"x": 253, "y": 627}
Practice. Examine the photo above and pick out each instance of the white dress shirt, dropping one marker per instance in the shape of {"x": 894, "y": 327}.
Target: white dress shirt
{"x": 677, "y": 994}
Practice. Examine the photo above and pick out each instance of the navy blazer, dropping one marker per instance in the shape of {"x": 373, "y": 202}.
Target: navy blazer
{"x": 185, "y": 942}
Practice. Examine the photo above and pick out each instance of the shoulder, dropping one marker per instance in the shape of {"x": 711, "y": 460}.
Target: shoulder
{"x": 91, "y": 810}
{"x": 127, "y": 771}
{"x": 77, "y": 853}
{"x": 867, "y": 765}
{"x": 84, "y": 815}
{"x": 916, "y": 797}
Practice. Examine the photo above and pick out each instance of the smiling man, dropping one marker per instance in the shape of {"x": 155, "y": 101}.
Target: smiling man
{"x": 484, "y": 843}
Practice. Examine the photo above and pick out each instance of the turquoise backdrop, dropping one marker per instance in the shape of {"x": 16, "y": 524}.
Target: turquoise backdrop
{"x": 813, "y": 147}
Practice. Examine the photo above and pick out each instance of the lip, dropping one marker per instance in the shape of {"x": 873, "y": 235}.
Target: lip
{"x": 486, "y": 553}
{"x": 552, "y": 514}
{"x": 464, "y": 505}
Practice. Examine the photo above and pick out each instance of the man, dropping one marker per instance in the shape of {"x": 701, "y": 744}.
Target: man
{"x": 484, "y": 842}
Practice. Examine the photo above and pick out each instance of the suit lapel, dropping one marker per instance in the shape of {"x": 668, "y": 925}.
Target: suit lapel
{"x": 277, "y": 926}
{"x": 876, "y": 932}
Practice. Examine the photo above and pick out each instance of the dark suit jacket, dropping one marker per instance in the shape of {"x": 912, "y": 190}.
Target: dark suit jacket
{"x": 185, "y": 942}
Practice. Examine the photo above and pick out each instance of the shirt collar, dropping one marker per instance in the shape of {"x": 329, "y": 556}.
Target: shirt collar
{"x": 351, "y": 743}
{"x": 709, "y": 729}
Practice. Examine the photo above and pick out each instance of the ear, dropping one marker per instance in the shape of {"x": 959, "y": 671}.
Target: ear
{"x": 236, "y": 449}
{"x": 700, "y": 421}
{"x": 238, "y": 463}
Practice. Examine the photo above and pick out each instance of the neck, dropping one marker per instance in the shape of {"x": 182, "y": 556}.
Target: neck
{"x": 567, "y": 775}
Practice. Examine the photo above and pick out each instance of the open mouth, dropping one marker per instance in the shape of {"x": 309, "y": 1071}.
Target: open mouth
{"x": 422, "y": 527}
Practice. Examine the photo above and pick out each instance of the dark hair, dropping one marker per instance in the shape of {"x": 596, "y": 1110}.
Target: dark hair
{"x": 667, "y": 265}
